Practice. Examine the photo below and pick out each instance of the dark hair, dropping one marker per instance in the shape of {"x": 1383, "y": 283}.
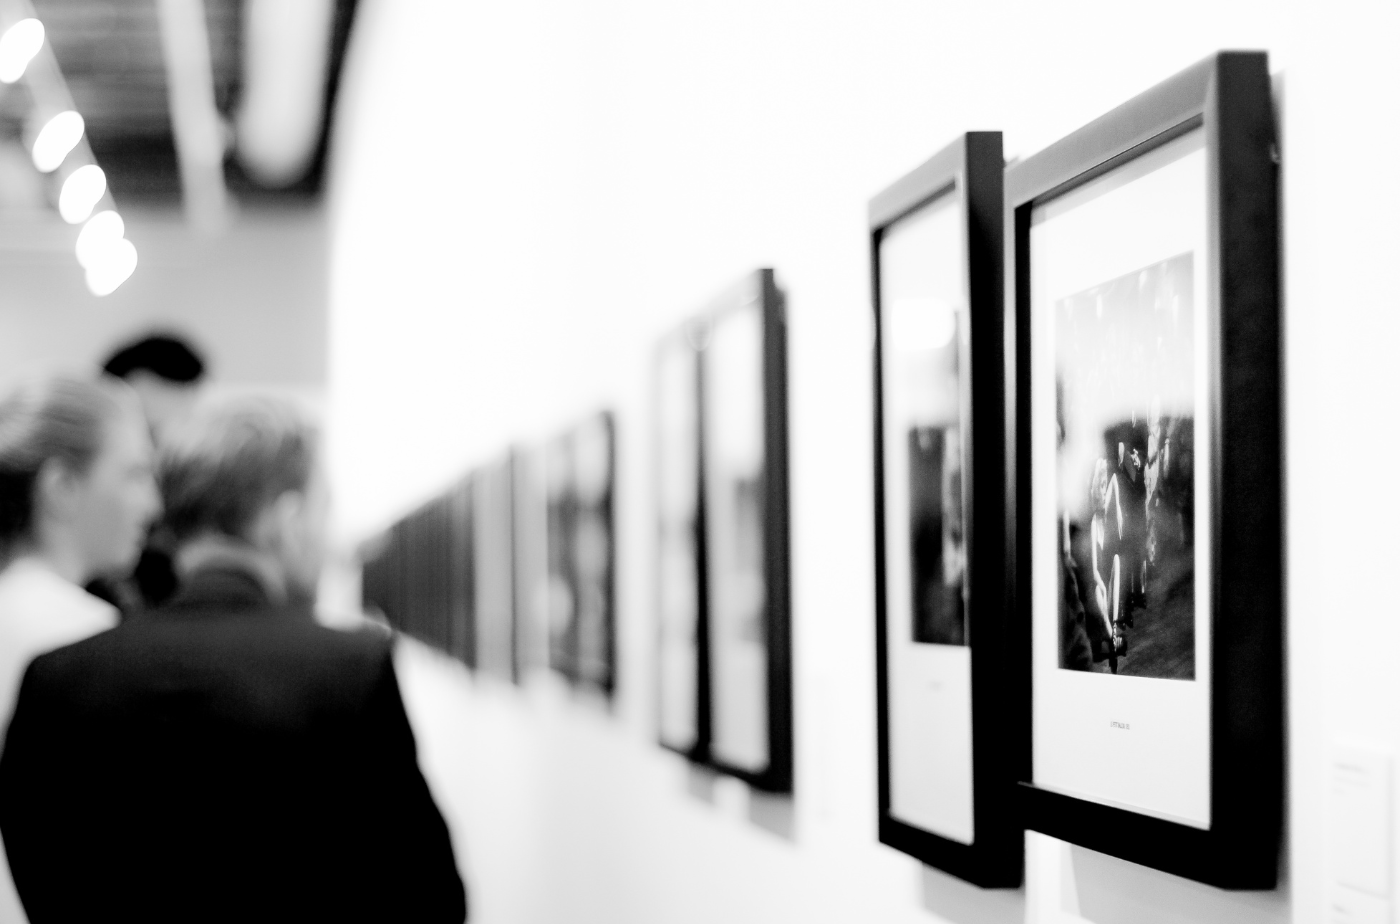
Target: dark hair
{"x": 229, "y": 461}
{"x": 57, "y": 417}
{"x": 162, "y": 355}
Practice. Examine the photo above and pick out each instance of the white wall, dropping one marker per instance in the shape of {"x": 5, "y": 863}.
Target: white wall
{"x": 525, "y": 195}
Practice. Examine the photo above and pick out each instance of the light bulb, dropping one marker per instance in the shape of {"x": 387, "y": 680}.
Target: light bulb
{"x": 100, "y": 233}
{"x": 81, "y": 191}
{"x": 59, "y": 135}
{"x": 115, "y": 266}
{"x": 18, "y": 46}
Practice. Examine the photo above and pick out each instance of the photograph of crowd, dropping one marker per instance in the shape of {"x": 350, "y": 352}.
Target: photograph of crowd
{"x": 1125, "y": 409}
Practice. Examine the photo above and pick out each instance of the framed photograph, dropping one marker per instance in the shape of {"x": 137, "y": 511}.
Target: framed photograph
{"x": 493, "y": 575}
{"x": 461, "y": 573}
{"x": 377, "y": 576}
{"x": 744, "y": 490}
{"x": 440, "y": 565}
{"x": 529, "y": 514}
{"x": 948, "y": 703}
{"x": 417, "y": 574}
{"x": 581, "y": 549}
{"x": 682, "y": 629}
{"x": 420, "y": 549}
{"x": 395, "y": 579}
{"x": 1144, "y": 255}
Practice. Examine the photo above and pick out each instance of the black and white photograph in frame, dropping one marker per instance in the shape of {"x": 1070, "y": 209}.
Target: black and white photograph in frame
{"x": 581, "y": 549}
{"x": 682, "y": 684}
{"x": 412, "y": 575}
{"x": 529, "y": 518}
{"x": 743, "y": 407}
{"x": 940, "y": 603}
{"x": 923, "y": 321}
{"x": 493, "y": 570}
{"x": 463, "y": 572}
{"x": 1145, "y": 300}
{"x": 1126, "y": 410}
{"x": 1113, "y": 334}
{"x": 377, "y": 584}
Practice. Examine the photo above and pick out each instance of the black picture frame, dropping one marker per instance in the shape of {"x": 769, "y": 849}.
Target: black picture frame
{"x": 583, "y": 650}
{"x": 438, "y": 525}
{"x": 970, "y": 169}
{"x": 684, "y": 342}
{"x": 1229, "y": 96}
{"x": 376, "y": 581}
{"x": 412, "y": 574}
{"x": 759, "y": 292}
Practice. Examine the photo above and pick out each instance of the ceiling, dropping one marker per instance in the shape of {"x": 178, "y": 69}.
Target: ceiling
{"x": 111, "y": 58}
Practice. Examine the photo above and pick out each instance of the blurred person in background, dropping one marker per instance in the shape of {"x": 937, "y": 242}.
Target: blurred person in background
{"x": 167, "y": 373}
{"x": 77, "y": 492}
{"x": 76, "y": 496}
{"x": 255, "y": 765}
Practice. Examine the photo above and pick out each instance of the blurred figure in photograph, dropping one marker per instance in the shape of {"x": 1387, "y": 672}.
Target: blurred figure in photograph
{"x": 1077, "y": 646}
{"x": 1105, "y": 564}
{"x": 1126, "y": 449}
{"x": 1170, "y": 489}
{"x": 254, "y": 764}
{"x": 76, "y": 496}
{"x": 166, "y": 373}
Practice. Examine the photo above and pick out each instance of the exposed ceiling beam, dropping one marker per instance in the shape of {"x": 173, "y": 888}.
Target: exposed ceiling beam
{"x": 199, "y": 130}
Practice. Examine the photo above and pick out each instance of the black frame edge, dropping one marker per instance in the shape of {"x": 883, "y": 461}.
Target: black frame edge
{"x": 777, "y": 777}
{"x": 698, "y": 752}
{"x": 971, "y": 167}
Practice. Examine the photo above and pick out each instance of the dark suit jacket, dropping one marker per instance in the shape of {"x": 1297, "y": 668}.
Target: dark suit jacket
{"x": 221, "y": 759}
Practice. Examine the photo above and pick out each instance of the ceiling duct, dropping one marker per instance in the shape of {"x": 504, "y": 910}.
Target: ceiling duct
{"x": 199, "y": 131}
{"x": 285, "y": 51}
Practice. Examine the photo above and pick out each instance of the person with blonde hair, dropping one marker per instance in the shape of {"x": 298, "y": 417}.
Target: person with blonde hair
{"x": 76, "y": 496}
{"x": 77, "y": 493}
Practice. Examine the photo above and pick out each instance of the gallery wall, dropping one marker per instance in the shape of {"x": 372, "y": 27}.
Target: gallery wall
{"x": 525, "y": 196}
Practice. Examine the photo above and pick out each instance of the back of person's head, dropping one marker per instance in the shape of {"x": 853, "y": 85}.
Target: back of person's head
{"x": 244, "y": 469}
{"x": 58, "y": 426}
{"x": 164, "y": 356}
{"x": 229, "y": 461}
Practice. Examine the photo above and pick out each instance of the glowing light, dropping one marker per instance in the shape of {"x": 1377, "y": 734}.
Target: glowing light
{"x": 108, "y": 257}
{"x": 81, "y": 191}
{"x": 18, "y": 46}
{"x": 59, "y": 135}
{"x": 101, "y": 232}
{"x": 918, "y": 324}
{"x": 115, "y": 266}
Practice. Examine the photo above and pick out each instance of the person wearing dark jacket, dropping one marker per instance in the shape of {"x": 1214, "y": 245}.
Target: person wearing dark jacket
{"x": 224, "y": 757}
